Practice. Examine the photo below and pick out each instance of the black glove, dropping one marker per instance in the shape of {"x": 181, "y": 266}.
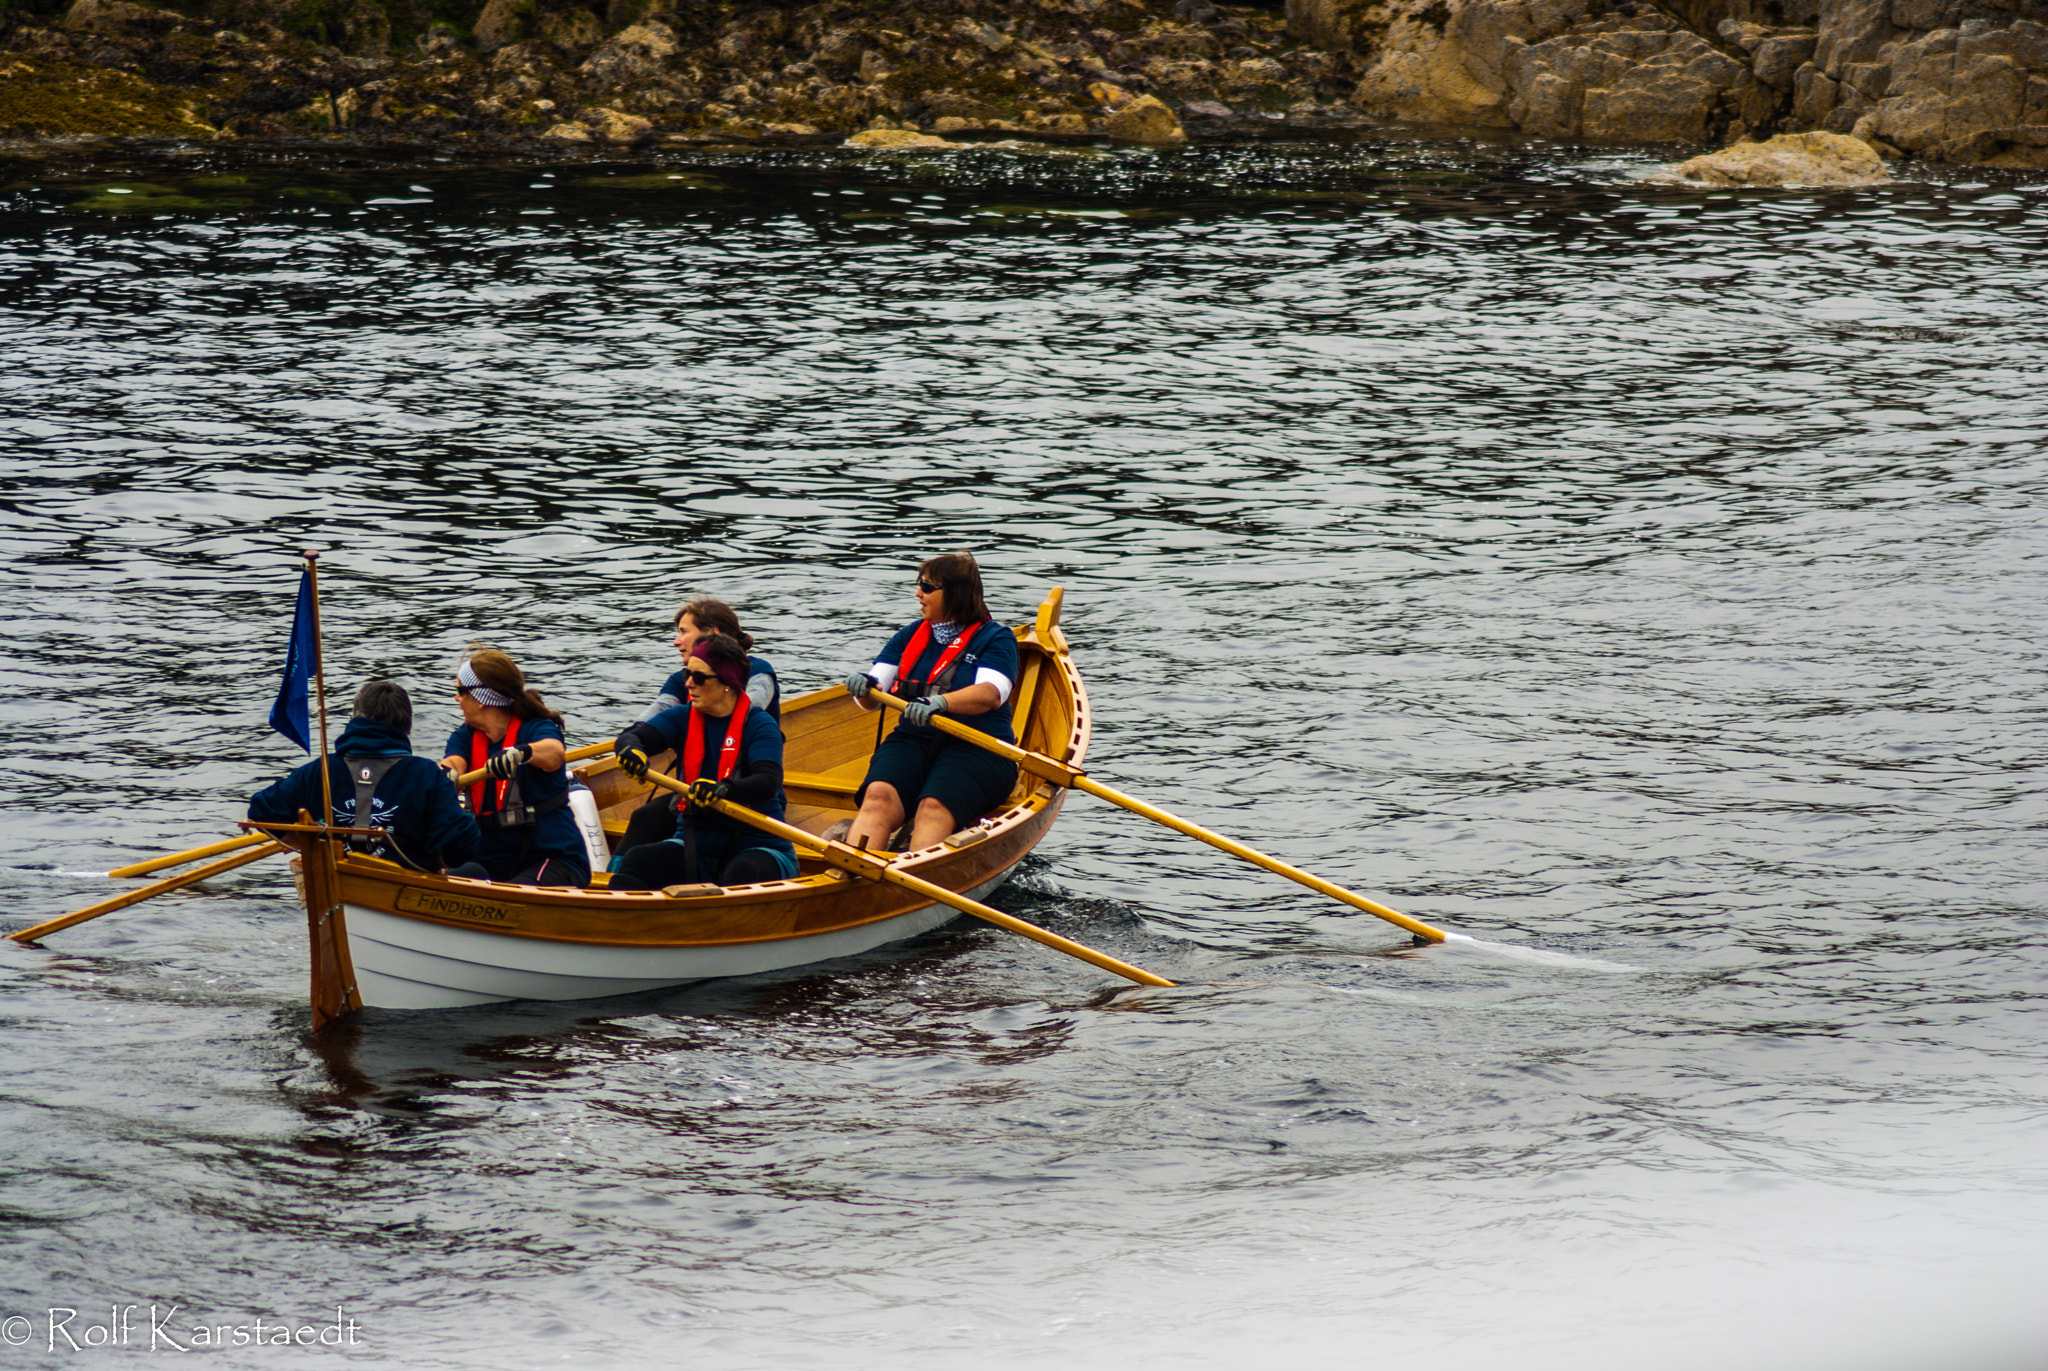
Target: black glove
{"x": 702, "y": 793}
{"x": 859, "y": 684}
{"x": 508, "y": 761}
{"x": 918, "y": 713}
{"x": 633, "y": 762}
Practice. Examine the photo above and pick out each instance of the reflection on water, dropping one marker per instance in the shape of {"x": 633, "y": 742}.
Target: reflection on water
{"x": 1637, "y": 574}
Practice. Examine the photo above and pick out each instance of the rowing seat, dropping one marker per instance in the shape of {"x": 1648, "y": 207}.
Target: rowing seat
{"x": 843, "y": 779}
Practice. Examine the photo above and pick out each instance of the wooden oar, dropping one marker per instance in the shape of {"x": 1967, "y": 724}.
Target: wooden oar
{"x": 180, "y": 858}
{"x": 857, "y": 862}
{"x": 1059, "y": 773}
{"x": 580, "y": 754}
{"x": 141, "y": 893}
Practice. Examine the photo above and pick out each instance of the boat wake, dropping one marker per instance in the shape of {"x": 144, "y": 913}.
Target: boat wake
{"x": 1541, "y": 956}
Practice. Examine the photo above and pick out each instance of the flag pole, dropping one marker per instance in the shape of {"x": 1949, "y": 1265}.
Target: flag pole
{"x": 320, "y": 691}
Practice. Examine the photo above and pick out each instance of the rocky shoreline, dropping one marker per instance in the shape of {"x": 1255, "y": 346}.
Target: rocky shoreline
{"x": 1964, "y": 81}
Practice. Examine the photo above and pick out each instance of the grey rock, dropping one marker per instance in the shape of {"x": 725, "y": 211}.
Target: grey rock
{"x": 1778, "y": 59}
{"x": 1924, "y": 14}
{"x": 502, "y": 22}
{"x": 1814, "y": 95}
{"x": 1851, "y": 31}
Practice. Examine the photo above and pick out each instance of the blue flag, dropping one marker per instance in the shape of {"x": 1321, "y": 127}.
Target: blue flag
{"x": 289, "y": 715}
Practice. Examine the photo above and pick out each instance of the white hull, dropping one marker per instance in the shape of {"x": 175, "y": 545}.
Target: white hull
{"x": 403, "y": 963}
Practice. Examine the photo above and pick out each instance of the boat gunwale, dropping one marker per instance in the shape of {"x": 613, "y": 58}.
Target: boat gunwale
{"x": 799, "y": 889}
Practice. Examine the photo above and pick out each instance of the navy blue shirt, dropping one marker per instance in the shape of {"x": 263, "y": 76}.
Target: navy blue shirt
{"x": 760, "y": 745}
{"x": 762, "y": 688}
{"x": 555, "y": 834}
{"x": 991, "y": 646}
{"x": 414, "y": 800}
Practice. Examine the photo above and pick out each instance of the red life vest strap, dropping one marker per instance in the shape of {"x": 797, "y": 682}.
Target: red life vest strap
{"x": 728, "y": 752}
{"x": 914, "y": 650}
{"x": 479, "y": 750}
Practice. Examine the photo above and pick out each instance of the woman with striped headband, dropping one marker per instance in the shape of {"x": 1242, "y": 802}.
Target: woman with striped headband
{"x": 522, "y": 804}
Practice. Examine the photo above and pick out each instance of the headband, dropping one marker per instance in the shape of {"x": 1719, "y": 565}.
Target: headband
{"x": 734, "y": 674}
{"x": 466, "y": 677}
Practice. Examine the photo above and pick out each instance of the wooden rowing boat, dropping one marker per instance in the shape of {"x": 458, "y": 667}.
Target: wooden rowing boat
{"x": 386, "y": 937}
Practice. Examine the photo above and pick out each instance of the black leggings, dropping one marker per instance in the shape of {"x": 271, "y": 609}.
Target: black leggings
{"x": 650, "y": 823}
{"x": 539, "y": 871}
{"x": 654, "y": 866}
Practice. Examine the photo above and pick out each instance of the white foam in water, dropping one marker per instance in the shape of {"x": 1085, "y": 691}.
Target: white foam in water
{"x": 1542, "y": 956}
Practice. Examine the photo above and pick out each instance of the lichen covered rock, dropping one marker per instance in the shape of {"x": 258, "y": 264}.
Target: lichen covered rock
{"x": 1145, "y": 120}
{"x": 896, "y": 138}
{"x": 1790, "y": 159}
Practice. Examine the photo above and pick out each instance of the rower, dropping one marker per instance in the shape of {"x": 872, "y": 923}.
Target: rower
{"x": 695, "y": 621}
{"x": 730, "y": 751}
{"x": 378, "y": 783}
{"x": 953, "y": 660}
{"x": 522, "y": 803}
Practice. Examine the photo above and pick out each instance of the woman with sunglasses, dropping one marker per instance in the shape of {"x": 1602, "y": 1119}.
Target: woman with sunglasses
{"x": 654, "y": 821}
{"x": 954, "y": 660}
{"x": 522, "y": 804}
{"x": 730, "y": 750}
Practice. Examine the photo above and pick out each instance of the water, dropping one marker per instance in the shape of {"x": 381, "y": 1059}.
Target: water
{"x": 1648, "y": 579}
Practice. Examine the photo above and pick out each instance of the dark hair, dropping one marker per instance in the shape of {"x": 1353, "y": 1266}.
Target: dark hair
{"x": 503, "y": 675}
{"x": 384, "y": 702}
{"x": 959, "y": 586}
{"x": 723, "y": 654}
{"x": 716, "y": 616}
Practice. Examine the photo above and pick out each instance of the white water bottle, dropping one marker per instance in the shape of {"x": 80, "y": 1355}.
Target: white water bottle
{"x": 590, "y": 824}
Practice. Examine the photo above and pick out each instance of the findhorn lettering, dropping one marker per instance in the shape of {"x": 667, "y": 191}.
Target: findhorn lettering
{"x": 412, "y": 900}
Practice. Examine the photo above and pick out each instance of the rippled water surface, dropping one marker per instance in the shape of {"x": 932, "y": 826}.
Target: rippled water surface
{"x": 1648, "y": 580}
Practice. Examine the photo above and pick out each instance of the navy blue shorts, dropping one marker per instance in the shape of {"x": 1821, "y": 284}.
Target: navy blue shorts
{"x": 968, "y": 781}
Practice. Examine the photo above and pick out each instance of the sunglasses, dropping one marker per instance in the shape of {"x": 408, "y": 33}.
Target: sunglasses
{"x": 700, "y": 678}
{"x": 928, "y": 586}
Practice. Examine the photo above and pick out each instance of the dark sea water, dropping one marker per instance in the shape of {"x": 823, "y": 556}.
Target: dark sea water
{"x": 1649, "y": 580}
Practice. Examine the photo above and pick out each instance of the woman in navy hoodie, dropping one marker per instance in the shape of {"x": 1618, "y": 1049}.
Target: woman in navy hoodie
{"x": 372, "y": 769}
{"x": 522, "y": 804}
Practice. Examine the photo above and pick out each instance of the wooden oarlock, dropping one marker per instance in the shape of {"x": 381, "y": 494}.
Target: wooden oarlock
{"x": 872, "y": 866}
{"x": 1072, "y": 777}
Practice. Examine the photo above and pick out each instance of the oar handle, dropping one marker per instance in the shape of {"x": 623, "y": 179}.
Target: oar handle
{"x": 574, "y": 754}
{"x": 141, "y": 893}
{"x": 1062, "y": 774}
{"x": 180, "y": 858}
{"x": 858, "y": 862}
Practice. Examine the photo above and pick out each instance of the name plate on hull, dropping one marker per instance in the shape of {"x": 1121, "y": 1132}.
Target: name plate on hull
{"x": 413, "y": 900}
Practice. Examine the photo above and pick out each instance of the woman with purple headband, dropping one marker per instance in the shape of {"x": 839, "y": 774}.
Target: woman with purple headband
{"x": 731, "y": 750}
